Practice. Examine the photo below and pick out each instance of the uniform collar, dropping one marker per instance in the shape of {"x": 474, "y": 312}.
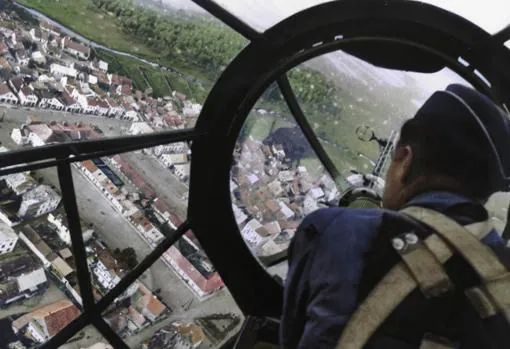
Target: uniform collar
{"x": 441, "y": 200}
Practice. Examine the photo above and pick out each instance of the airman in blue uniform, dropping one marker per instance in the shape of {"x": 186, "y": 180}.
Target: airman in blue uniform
{"x": 450, "y": 158}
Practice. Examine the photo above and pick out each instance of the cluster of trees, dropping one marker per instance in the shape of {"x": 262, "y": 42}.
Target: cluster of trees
{"x": 191, "y": 39}
{"x": 206, "y": 44}
{"x": 310, "y": 87}
{"x": 127, "y": 257}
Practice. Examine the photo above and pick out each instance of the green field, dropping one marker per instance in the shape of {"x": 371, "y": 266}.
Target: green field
{"x": 103, "y": 27}
{"x": 178, "y": 84}
{"x": 157, "y": 81}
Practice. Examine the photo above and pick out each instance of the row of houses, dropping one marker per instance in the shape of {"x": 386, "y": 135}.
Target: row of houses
{"x": 16, "y": 91}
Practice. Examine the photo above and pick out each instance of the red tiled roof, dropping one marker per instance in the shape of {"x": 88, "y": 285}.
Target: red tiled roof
{"x": 108, "y": 260}
{"x": 163, "y": 207}
{"x": 60, "y": 318}
{"x": 27, "y": 91}
{"x": 155, "y": 306}
{"x": 113, "y": 103}
{"x": 126, "y": 89}
{"x": 121, "y": 80}
{"x": 97, "y": 102}
{"x": 90, "y": 166}
{"x": 206, "y": 285}
{"x": 272, "y": 205}
{"x": 4, "y": 88}
{"x": 56, "y": 316}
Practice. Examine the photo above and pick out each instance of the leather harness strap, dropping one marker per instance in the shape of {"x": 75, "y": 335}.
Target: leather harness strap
{"x": 494, "y": 293}
{"x": 420, "y": 262}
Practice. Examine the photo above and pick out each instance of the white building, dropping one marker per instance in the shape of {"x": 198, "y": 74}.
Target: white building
{"x": 8, "y": 239}
{"x": 286, "y": 176}
{"x": 59, "y": 71}
{"x": 309, "y": 205}
{"x": 239, "y": 215}
{"x": 131, "y": 115}
{"x": 179, "y": 147}
{"x": 49, "y": 100}
{"x": 63, "y": 230}
{"x": 76, "y": 49}
{"x": 38, "y": 57}
{"x": 27, "y": 96}
{"x": 182, "y": 171}
{"x": 39, "y": 134}
{"x": 20, "y": 183}
{"x": 18, "y": 137}
{"x": 316, "y": 193}
{"x": 286, "y": 211}
{"x": 38, "y": 201}
{"x": 39, "y": 36}
{"x": 250, "y": 234}
{"x": 97, "y": 106}
{"x": 191, "y": 110}
{"x": 31, "y": 281}
{"x": 116, "y": 109}
{"x": 6, "y": 95}
{"x": 275, "y": 187}
{"x": 106, "y": 277}
{"x": 140, "y": 128}
{"x": 99, "y": 65}
{"x": 174, "y": 159}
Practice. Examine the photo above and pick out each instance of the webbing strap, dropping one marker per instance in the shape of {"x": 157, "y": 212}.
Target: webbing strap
{"x": 426, "y": 269}
{"x": 495, "y": 276}
{"x": 391, "y": 291}
{"x": 479, "y": 256}
{"x": 380, "y": 303}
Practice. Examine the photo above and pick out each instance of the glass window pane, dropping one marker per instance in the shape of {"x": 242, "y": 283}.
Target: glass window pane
{"x": 262, "y": 14}
{"x": 38, "y": 279}
{"x": 183, "y": 284}
{"x": 148, "y": 66}
{"x": 276, "y": 181}
{"x": 341, "y": 95}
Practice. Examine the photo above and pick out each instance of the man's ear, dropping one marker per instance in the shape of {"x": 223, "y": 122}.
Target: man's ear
{"x": 404, "y": 158}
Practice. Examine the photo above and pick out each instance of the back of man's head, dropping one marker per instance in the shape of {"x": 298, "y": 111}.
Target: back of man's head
{"x": 460, "y": 135}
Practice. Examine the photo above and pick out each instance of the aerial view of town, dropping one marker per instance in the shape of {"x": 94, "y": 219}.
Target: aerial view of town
{"x": 109, "y": 71}
{"x": 53, "y": 89}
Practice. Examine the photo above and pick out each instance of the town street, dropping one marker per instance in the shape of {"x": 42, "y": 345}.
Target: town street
{"x": 114, "y": 229}
{"x": 168, "y": 186}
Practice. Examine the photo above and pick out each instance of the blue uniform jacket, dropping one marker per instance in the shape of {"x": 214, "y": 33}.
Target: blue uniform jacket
{"x": 338, "y": 255}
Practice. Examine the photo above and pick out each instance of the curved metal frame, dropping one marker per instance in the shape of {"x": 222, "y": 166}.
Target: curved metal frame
{"x": 437, "y": 33}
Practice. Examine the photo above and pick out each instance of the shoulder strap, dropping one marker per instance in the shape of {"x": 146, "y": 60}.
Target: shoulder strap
{"x": 402, "y": 279}
{"x": 495, "y": 289}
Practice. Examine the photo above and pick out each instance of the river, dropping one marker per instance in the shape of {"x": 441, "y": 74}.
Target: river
{"x": 94, "y": 44}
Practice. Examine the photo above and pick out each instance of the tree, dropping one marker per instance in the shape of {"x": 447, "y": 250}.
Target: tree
{"x": 127, "y": 257}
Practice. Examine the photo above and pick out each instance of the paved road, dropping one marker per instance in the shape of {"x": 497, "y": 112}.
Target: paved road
{"x": 88, "y": 337}
{"x": 168, "y": 186}
{"x": 117, "y": 232}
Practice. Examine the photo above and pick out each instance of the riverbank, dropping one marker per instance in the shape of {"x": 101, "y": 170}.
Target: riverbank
{"x": 100, "y": 30}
